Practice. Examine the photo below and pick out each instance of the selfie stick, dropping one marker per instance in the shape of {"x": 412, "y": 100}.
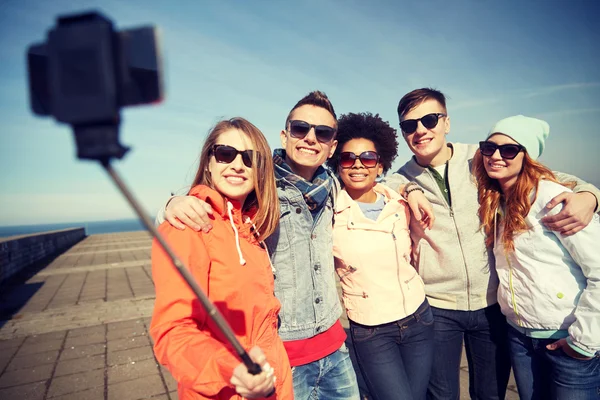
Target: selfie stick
{"x": 82, "y": 76}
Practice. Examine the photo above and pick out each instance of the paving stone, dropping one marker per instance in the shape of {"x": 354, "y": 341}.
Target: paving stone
{"x": 91, "y": 330}
{"x": 132, "y": 323}
{"x": 32, "y": 360}
{"x": 26, "y": 375}
{"x": 127, "y": 343}
{"x": 76, "y": 383}
{"x": 10, "y": 344}
{"x": 82, "y": 351}
{"x": 45, "y": 337}
{"x": 127, "y": 356}
{"x": 126, "y": 332}
{"x": 6, "y": 355}
{"x": 169, "y": 380}
{"x": 31, "y": 391}
{"x": 90, "y": 298}
{"x": 90, "y": 394}
{"x": 141, "y": 388}
{"x": 132, "y": 370}
{"x": 112, "y": 296}
{"x": 81, "y": 340}
{"x": 40, "y": 347}
{"x": 77, "y": 365}
{"x": 5, "y": 358}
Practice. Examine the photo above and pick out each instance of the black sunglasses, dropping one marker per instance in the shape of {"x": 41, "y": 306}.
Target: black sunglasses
{"x": 368, "y": 158}
{"x": 299, "y": 129}
{"x": 429, "y": 121}
{"x": 226, "y": 154}
{"x": 508, "y": 151}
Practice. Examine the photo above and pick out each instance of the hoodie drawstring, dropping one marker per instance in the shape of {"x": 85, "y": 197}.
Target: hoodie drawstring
{"x": 262, "y": 243}
{"x": 237, "y": 236}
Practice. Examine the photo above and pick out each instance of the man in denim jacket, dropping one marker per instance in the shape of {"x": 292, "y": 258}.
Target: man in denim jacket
{"x": 302, "y": 252}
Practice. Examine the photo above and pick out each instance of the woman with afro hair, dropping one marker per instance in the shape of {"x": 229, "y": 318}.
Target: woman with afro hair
{"x": 391, "y": 323}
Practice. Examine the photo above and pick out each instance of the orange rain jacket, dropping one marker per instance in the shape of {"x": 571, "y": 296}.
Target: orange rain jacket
{"x": 237, "y": 276}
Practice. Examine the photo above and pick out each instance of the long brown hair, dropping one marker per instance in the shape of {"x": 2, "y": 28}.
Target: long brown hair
{"x": 518, "y": 203}
{"x": 264, "y": 197}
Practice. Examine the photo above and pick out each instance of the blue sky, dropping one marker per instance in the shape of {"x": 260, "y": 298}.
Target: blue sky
{"x": 257, "y": 58}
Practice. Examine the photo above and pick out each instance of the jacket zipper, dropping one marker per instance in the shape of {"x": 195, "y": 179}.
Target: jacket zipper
{"x": 462, "y": 252}
{"x": 398, "y": 269}
{"x": 364, "y": 294}
{"x": 512, "y": 290}
{"x": 349, "y": 271}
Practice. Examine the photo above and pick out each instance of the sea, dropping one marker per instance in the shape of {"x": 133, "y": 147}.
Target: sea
{"x": 91, "y": 227}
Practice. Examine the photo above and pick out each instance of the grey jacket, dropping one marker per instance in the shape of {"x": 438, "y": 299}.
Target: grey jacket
{"x": 452, "y": 259}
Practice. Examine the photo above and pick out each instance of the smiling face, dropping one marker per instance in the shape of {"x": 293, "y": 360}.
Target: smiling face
{"x": 359, "y": 180}
{"x": 428, "y": 145}
{"x": 305, "y": 155}
{"x": 233, "y": 180}
{"x": 504, "y": 170}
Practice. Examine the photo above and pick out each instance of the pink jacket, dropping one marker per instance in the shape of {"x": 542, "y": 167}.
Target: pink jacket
{"x": 372, "y": 259}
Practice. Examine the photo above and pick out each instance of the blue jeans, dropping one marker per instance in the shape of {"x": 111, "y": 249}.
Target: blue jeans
{"x": 396, "y": 358}
{"x": 331, "y": 377}
{"x": 551, "y": 374}
{"x": 486, "y": 346}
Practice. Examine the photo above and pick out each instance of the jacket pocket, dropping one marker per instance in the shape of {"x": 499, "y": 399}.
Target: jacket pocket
{"x": 415, "y": 280}
{"x": 363, "y": 294}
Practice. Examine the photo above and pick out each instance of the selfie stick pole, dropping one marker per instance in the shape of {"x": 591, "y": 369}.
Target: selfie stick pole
{"x": 210, "y": 308}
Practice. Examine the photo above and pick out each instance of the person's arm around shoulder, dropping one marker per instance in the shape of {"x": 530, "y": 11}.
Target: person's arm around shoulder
{"x": 194, "y": 357}
{"x": 186, "y": 211}
{"x": 579, "y": 206}
{"x": 395, "y": 181}
{"x": 414, "y": 195}
{"x": 583, "y": 247}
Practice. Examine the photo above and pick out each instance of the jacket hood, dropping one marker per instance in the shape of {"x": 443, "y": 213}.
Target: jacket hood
{"x": 230, "y": 210}
{"x": 218, "y": 202}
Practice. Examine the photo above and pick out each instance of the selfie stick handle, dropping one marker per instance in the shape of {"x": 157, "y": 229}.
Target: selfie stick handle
{"x": 213, "y": 312}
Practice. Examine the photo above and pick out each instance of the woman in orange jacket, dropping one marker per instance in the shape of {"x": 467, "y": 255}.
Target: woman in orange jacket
{"x": 231, "y": 265}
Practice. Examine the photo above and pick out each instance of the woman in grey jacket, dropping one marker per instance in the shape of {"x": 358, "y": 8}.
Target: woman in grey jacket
{"x": 549, "y": 287}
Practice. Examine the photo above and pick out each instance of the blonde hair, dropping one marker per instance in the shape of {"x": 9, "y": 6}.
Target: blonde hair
{"x": 264, "y": 197}
{"x": 519, "y": 203}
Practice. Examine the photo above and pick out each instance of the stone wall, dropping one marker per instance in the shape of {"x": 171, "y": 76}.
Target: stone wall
{"x": 20, "y": 252}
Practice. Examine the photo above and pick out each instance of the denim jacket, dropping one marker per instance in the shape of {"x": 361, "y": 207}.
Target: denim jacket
{"x": 302, "y": 253}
